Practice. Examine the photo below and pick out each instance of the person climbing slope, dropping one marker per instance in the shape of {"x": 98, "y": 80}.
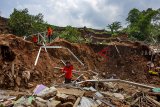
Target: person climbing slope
{"x": 49, "y": 33}
{"x": 68, "y": 72}
{"x": 35, "y": 39}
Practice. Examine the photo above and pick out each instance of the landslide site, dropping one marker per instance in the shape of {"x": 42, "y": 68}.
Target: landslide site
{"x": 118, "y": 58}
{"x": 124, "y": 61}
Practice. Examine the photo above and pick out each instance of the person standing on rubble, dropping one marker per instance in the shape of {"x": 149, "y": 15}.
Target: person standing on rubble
{"x": 49, "y": 33}
{"x": 68, "y": 72}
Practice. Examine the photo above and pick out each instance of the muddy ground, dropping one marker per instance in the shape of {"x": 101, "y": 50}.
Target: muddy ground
{"x": 125, "y": 61}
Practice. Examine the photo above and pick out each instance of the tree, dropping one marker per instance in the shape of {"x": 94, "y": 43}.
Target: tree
{"x": 133, "y": 16}
{"x": 22, "y": 23}
{"x": 71, "y": 34}
{"x": 114, "y": 27}
{"x": 155, "y": 31}
{"x": 140, "y": 23}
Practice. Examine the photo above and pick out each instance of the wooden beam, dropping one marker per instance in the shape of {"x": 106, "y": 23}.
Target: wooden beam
{"x": 119, "y": 80}
{"x": 77, "y": 102}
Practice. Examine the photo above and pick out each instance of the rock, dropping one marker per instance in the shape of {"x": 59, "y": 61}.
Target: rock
{"x": 64, "y": 96}
{"x": 26, "y": 75}
{"x": 71, "y": 98}
{"x": 61, "y": 97}
{"x": 54, "y": 103}
{"x": 18, "y": 81}
{"x": 8, "y": 103}
{"x": 67, "y": 104}
{"x": 29, "y": 85}
{"x": 118, "y": 95}
{"x": 110, "y": 85}
{"x": 39, "y": 102}
{"x": 48, "y": 93}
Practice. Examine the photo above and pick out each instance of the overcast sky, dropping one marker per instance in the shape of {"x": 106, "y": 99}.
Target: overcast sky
{"x": 79, "y": 13}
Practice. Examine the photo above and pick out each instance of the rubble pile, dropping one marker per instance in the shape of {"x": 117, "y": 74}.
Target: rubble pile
{"x": 74, "y": 95}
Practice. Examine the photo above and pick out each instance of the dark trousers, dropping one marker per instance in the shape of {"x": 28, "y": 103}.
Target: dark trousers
{"x": 49, "y": 38}
{"x": 67, "y": 81}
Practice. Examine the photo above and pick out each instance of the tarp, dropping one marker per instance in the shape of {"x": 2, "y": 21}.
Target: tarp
{"x": 38, "y": 89}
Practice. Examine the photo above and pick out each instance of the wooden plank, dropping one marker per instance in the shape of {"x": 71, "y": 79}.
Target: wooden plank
{"x": 153, "y": 93}
{"x": 77, "y": 102}
{"x": 75, "y": 92}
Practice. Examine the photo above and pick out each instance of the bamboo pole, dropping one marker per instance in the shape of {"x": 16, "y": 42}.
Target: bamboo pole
{"x": 119, "y": 80}
{"x": 37, "y": 56}
{"x": 154, "y": 101}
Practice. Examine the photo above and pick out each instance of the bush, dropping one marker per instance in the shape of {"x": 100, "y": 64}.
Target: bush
{"x": 22, "y": 23}
{"x": 71, "y": 34}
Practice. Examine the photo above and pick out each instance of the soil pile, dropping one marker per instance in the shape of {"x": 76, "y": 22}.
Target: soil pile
{"x": 18, "y": 56}
{"x": 124, "y": 60}
{"x": 3, "y": 25}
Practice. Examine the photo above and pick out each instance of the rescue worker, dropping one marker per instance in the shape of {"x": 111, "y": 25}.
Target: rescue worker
{"x": 152, "y": 69}
{"x": 49, "y": 33}
{"x": 35, "y": 39}
{"x": 68, "y": 72}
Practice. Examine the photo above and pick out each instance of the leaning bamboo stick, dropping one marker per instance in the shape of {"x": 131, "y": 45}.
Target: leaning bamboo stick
{"x": 154, "y": 101}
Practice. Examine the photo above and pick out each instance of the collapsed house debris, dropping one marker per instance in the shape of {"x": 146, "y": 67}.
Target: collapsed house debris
{"x": 72, "y": 95}
{"x": 111, "y": 75}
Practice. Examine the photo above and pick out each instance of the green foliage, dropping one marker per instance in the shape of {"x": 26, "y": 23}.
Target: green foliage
{"x": 133, "y": 16}
{"x": 155, "y": 30}
{"x": 71, "y": 34}
{"x": 140, "y": 26}
{"x": 114, "y": 27}
{"x": 22, "y": 23}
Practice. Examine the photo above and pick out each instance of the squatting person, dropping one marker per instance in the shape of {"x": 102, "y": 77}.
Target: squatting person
{"x": 68, "y": 72}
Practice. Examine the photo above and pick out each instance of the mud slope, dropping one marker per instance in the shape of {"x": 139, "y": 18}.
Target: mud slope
{"x": 4, "y": 25}
{"x": 17, "y": 56}
{"x": 126, "y": 62}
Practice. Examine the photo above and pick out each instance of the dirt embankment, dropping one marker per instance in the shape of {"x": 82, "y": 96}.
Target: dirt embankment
{"x": 17, "y": 56}
{"x": 124, "y": 61}
{"x": 4, "y": 25}
{"x": 118, "y": 60}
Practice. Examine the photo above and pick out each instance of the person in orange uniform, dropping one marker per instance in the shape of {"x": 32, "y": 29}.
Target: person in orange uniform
{"x": 68, "y": 72}
{"x": 49, "y": 33}
{"x": 35, "y": 39}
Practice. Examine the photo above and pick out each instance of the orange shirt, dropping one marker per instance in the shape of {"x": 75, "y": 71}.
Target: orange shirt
{"x": 68, "y": 71}
{"x": 35, "y": 39}
{"x": 49, "y": 31}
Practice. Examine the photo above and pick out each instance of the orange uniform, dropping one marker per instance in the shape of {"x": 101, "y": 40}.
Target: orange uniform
{"x": 68, "y": 72}
{"x": 49, "y": 31}
{"x": 35, "y": 39}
